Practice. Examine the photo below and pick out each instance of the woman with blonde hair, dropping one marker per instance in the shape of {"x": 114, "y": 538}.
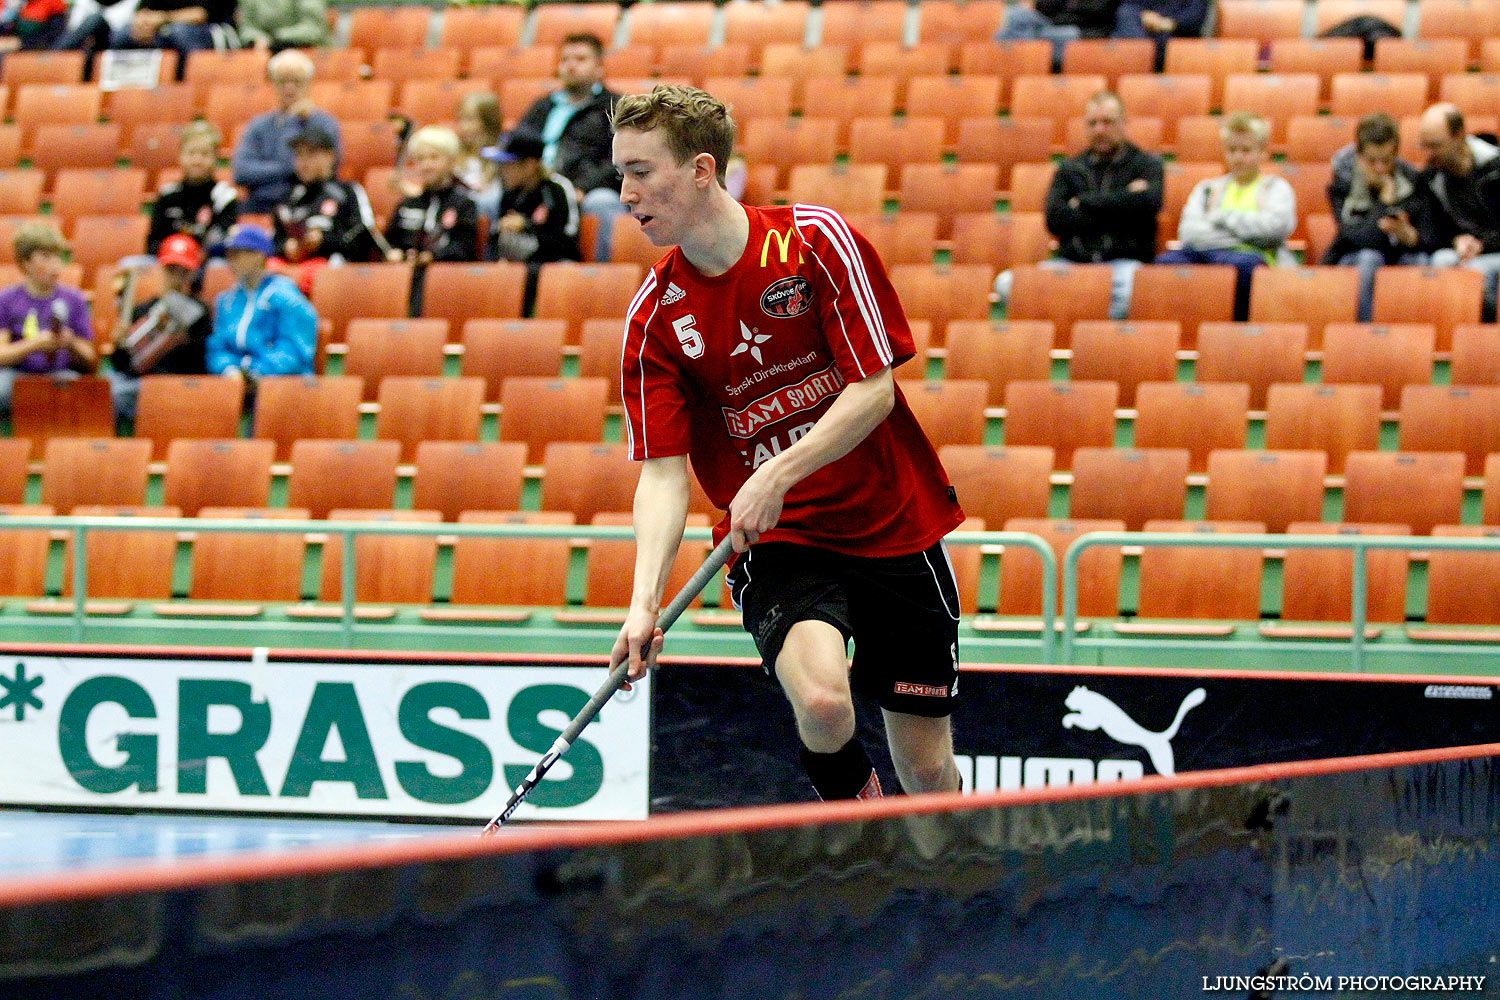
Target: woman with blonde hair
{"x": 479, "y": 127}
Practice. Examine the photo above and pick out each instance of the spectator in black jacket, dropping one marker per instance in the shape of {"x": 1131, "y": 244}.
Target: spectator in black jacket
{"x": 440, "y": 222}
{"x": 199, "y": 205}
{"x": 1103, "y": 202}
{"x": 573, "y": 122}
{"x": 181, "y": 25}
{"x": 1383, "y": 209}
{"x": 538, "y": 219}
{"x": 322, "y": 220}
{"x": 1463, "y": 173}
{"x": 1160, "y": 20}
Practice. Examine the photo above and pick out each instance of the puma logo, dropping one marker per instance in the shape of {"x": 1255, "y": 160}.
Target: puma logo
{"x": 1093, "y": 711}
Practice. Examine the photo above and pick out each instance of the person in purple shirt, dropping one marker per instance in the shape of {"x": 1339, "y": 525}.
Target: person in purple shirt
{"x": 48, "y": 325}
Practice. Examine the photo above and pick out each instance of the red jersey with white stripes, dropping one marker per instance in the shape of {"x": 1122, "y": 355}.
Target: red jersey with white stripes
{"x": 730, "y": 370}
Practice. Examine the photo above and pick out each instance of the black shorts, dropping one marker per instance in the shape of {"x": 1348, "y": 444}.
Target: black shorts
{"x": 901, "y": 611}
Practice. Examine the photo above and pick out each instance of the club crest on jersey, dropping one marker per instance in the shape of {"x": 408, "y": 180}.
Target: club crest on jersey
{"x": 750, "y": 341}
{"x": 791, "y": 296}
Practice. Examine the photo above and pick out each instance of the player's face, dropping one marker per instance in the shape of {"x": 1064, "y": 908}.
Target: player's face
{"x": 657, "y": 191}
{"x": 197, "y": 160}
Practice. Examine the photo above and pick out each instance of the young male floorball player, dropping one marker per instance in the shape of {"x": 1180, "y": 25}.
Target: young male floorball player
{"x": 763, "y": 347}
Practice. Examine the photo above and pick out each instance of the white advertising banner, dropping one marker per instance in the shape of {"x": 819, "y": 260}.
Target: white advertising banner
{"x": 327, "y": 738}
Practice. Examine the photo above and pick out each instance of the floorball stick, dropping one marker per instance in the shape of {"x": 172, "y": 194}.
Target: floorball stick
{"x": 664, "y": 621}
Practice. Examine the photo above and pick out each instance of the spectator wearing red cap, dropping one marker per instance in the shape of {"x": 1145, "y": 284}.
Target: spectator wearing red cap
{"x": 165, "y": 335}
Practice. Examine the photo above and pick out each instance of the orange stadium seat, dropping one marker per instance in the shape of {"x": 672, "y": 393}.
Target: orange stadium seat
{"x": 1063, "y": 416}
{"x": 1216, "y": 58}
{"x": 230, "y": 106}
{"x": 845, "y": 99}
{"x": 1490, "y": 513}
{"x": 454, "y": 476}
{"x": 329, "y": 475}
{"x": 845, "y": 187}
{"x": 1418, "y": 489}
{"x": 550, "y": 25}
{"x": 801, "y": 64}
{"x": 42, "y": 408}
{"x": 587, "y": 477}
{"x": 942, "y": 293}
{"x": 905, "y": 63}
{"x": 1000, "y": 240}
{"x": 1276, "y": 487}
{"x": 457, "y": 291}
{"x": 1433, "y": 57}
{"x": 576, "y": 292}
{"x": 289, "y": 408}
{"x": 15, "y": 454}
{"x": 752, "y": 97}
{"x": 355, "y": 100}
{"x": 1325, "y": 57}
{"x": 951, "y": 411}
{"x": 227, "y": 472}
{"x": 905, "y": 237}
{"x": 336, "y": 64}
{"x": 953, "y": 99}
{"x": 1462, "y": 418}
{"x": 953, "y": 22}
{"x": 219, "y": 558}
{"x": 897, "y": 142}
{"x": 187, "y": 406}
{"x": 111, "y": 191}
{"x": 787, "y": 142}
{"x": 688, "y": 22}
{"x": 1198, "y": 416}
{"x": 1445, "y": 297}
{"x": 1276, "y": 97}
{"x": 10, "y": 143}
{"x": 1109, "y": 57}
{"x": 1178, "y": 180}
{"x": 611, "y": 564}
{"x": 1061, "y": 292}
{"x": 128, "y": 564}
{"x": 1463, "y": 588}
{"x": 1191, "y": 294}
{"x": 699, "y": 63}
{"x": 1260, "y": 20}
{"x": 1397, "y": 94}
{"x": 1005, "y": 142}
{"x": 1333, "y": 419}
{"x": 431, "y": 101}
{"x": 855, "y": 24}
{"x": 371, "y": 28}
{"x": 1309, "y": 182}
{"x": 999, "y": 353}
{"x": 1474, "y": 93}
{"x": 1168, "y": 97}
{"x": 948, "y": 190}
{"x": 166, "y": 105}
{"x": 1199, "y": 139}
{"x": 1257, "y": 354}
{"x": 209, "y": 66}
{"x": 21, "y": 69}
{"x": 1029, "y": 183}
{"x": 21, "y": 191}
{"x": 758, "y": 25}
{"x": 1316, "y": 296}
{"x": 1126, "y": 353}
{"x": 1201, "y": 582}
{"x": 1057, "y": 98}
{"x": 488, "y": 24}
{"x": 997, "y": 482}
{"x": 498, "y": 349}
{"x": 599, "y": 354}
{"x": 1476, "y": 355}
{"x": 361, "y": 291}
{"x": 540, "y": 410}
{"x": 23, "y": 553}
{"x": 94, "y": 471}
{"x": 1006, "y": 61}
{"x": 61, "y": 147}
{"x": 388, "y": 569}
{"x": 1133, "y": 485}
{"x": 511, "y": 571}
{"x": 1475, "y": 21}
{"x": 1390, "y": 355}
{"x": 1099, "y": 569}
{"x": 381, "y": 347}
{"x": 1316, "y": 137}
{"x": 400, "y": 65}
{"x": 1317, "y": 584}
{"x": 154, "y": 146}
{"x": 501, "y": 64}
{"x": 415, "y": 409}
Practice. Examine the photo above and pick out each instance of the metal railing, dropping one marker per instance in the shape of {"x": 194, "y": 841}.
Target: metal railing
{"x": 1359, "y": 544}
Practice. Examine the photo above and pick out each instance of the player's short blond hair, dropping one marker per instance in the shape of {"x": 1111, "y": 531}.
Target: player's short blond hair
{"x": 436, "y": 138}
{"x": 38, "y": 237}
{"x": 692, "y": 120}
{"x": 1245, "y": 123}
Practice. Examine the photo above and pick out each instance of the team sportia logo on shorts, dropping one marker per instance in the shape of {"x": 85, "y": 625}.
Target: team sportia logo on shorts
{"x": 791, "y": 296}
{"x": 924, "y": 690}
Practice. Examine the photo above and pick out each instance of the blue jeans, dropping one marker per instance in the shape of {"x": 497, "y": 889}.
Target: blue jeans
{"x": 1368, "y": 261}
{"x": 1243, "y": 261}
{"x": 1022, "y": 23}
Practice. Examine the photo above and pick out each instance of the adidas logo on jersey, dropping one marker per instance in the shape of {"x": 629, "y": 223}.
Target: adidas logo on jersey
{"x": 673, "y": 294}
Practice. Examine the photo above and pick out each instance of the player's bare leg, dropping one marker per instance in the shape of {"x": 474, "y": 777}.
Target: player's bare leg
{"x": 813, "y": 671}
{"x": 922, "y": 750}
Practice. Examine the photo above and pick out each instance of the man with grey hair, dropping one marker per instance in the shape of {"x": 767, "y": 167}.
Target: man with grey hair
{"x": 263, "y": 162}
{"x": 1463, "y": 173}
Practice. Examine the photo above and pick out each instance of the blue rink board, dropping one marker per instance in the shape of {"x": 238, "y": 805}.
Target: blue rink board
{"x": 53, "y": 843}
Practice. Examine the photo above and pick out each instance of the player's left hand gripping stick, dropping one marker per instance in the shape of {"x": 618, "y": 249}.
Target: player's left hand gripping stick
{"x": 616, "y": 680}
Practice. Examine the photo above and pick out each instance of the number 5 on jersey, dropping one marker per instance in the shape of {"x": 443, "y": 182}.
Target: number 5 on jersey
{"x": 688, "y": 335}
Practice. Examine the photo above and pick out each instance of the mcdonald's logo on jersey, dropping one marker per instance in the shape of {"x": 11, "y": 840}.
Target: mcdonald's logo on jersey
{"x": 783, "y": 246}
